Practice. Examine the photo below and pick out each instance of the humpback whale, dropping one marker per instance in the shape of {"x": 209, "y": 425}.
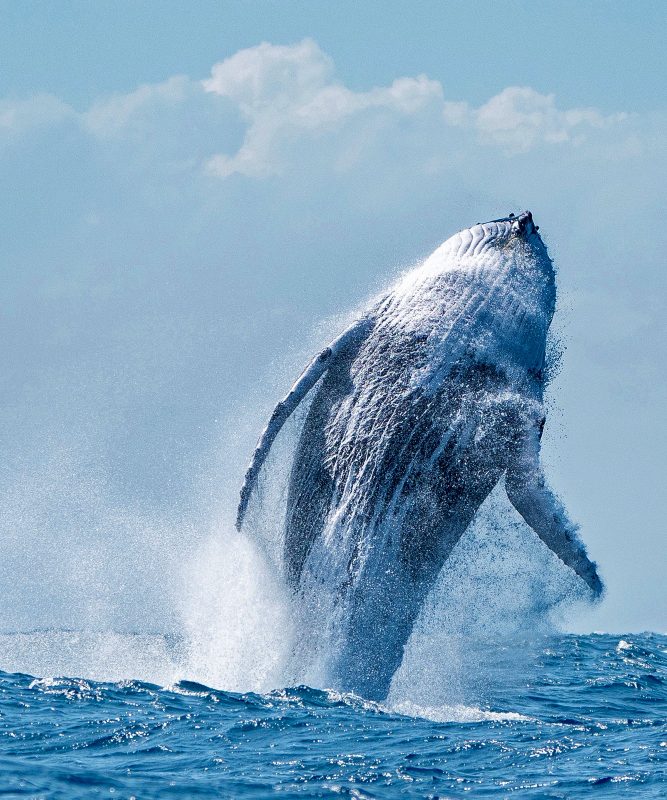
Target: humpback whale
{"x": 434, "y": 395}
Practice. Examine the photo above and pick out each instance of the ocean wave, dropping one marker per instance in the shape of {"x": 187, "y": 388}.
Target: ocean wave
{"x": 551, "y": 725}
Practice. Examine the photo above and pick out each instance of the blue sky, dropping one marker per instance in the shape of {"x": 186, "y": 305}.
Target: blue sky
{"x": 193, "y": 196}
{"x": 606, "y": 52}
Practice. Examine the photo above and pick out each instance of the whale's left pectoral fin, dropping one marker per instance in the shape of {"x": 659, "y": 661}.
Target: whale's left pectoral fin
{"x": 538, "y": 505}
{"x": 345, "y": 346}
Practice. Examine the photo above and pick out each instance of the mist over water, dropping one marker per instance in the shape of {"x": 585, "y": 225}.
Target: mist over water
{"x": 110, "y": 578}
{"x": 106, "y": 592}
{"x": 110, "y": 594}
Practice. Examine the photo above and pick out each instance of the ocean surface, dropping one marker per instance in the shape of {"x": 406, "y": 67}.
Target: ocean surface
{"x": 557, "y": 716}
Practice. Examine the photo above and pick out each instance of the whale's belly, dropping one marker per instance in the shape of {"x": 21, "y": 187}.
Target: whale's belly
{"x": 400, "y": 469}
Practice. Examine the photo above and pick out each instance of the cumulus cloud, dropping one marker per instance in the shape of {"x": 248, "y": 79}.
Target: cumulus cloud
{"x": 290, "y": 92}
{"x": 271, "y": 76}
{"x": 519, "y": 118}
{"x": 112, "y": 116}
{"x": 43, "y": 110}
{"x": 287, "y": 101}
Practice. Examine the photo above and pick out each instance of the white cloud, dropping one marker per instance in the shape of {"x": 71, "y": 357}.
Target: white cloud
{"x": 271, "y": 77}
{"x": 285, "y": 101}
{"x": 112, "y": 116}
{"x": 519, "y": 118}
{"x": 43, "y": 110}
{"x": 289, "y": 93}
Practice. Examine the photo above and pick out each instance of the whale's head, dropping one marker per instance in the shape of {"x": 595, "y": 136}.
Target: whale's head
{"x": 501, "y": 266}
{"x": 515, "y": 237}
{"x": 516, "y": 225}
{"x": 502, "y": 254}
{"x": 506, "y": 255}
{"x": 491, "y": 286}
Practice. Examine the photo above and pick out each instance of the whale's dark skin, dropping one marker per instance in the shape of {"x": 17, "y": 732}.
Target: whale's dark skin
{"x": 421, "y": 408}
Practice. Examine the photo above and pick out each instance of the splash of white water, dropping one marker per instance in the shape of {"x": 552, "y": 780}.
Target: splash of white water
{"x": 225, "y": 618}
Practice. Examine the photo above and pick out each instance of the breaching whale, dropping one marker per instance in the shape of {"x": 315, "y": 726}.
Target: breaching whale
{"x": 421, "y": 407}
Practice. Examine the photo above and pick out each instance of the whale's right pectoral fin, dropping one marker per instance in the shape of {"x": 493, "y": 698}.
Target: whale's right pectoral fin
{"x": 345, "y": 346}
{"x": 538, "y": 505}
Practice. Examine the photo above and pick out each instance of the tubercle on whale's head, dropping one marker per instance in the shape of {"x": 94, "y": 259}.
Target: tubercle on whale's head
{"x": 516, "y": 235}
{"x": 512, "y": 247}
{"x": 514, "y": 226}
{"x": 501, "y": 250}
{"x": 513, "y": 232}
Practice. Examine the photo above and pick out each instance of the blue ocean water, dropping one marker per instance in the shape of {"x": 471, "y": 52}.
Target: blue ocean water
{"x": 560, "y": 716}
